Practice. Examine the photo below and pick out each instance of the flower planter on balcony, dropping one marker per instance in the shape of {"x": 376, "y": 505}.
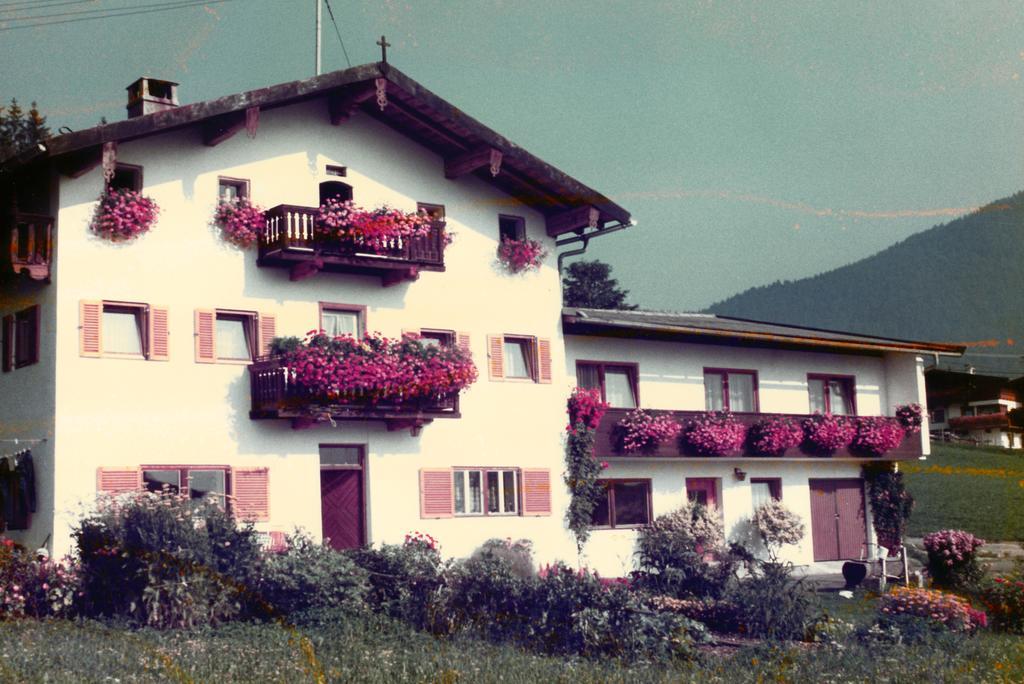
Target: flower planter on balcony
{"x": 31, "y": 245}
{"x": 980, "y": 422}
{"x": 605, "y": 440}
{"x": 289, "y": 241}
{"x": 276, "y": 395}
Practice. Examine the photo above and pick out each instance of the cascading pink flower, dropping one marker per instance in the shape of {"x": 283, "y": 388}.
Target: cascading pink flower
{"x": 123, "y": 215}
{"x": 877, "y": 434}
{"x": 716, "y": 433}
{"x": 643, "y": 431}
{"x": 773, "y": 436}
{"x": 585, "y": 406}
{"x": 378, "y": 230}
{"x": 825, "y": 433}
{"x": 240, "y": 221}
{"x": 518, "y": 256}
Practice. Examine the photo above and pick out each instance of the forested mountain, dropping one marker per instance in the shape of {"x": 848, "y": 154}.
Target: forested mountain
{"x": 958, "y": 282}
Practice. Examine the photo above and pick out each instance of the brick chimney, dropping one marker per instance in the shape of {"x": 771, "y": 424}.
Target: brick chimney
{"x": 148, "y": 95}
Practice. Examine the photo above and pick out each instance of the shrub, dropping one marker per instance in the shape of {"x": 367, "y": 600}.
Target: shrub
{"x": 33, "y": 587}
{"x": 518, "y": 554}
{"x": 717, "y": 614}
{"x": 123, "y": 215}
{"x": 642, "y": 431}
{"x": 165, "y": 561}
{"x": 1003, "y": 597}
{"x": 825, "y": 434}
{"x": 240, "y": 221}
{"x": 777, "y": 526}
{"x": 519, "y": 256}
{"x": 675, "y": 554}
{"x": 773, "y": 436}
{"x": 772, "y": 604}
{"x": 308, "y": 578}
{"x": 938, "y": 608}
{"x": 910, "y": 417}
{"x": 486, "y": 594}
{"x": 716, "y": 433}
{"x": 891, "y": 504}
{"x": 953, "y": 559}
{"x": 877, "y": 435}
{"x": 405, "y": 580}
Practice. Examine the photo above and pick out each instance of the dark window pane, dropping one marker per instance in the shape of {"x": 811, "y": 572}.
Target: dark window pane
{"x": 600, "y": 517}
{"x": 459, "y": 480}
{"x": 630, "y": 503}
{"x": 158, "y": 480}
{"x": 588, "y": 376}
{"x": 204, "y": 482}
{"x": 508, "y": 486}
{"x": 493, "y": 500}
{"x": 339, "y": 455}
{"x": 511, "y": 228}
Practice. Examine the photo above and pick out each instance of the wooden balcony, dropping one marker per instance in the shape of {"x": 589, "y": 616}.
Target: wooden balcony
{"x": 288, "y": 241}
{"x": 31, "y": 248}
{"x": 604, "y": 449}
{"x": 981, "y": 421}
{"x": 276, "y": 395}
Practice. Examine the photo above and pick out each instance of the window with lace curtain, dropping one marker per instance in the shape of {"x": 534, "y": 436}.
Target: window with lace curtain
{"x": 617, "y": 382}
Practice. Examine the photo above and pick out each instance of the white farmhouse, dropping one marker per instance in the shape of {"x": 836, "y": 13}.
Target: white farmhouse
{"x": 144, "y": 363}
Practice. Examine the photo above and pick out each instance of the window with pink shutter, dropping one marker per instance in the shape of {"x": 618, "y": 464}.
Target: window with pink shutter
{"x": 436, "y": 499}
{"x": 536, "y": 491}
{"x": 115, "y": 481}
{"x": 251, "y": 494}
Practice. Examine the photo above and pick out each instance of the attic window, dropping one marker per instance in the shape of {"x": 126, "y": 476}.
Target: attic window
{"x": 511, "y": 227}
{"x": 231, "y": 189}
{"x": 126, "y": 177}
{"x": 333, "y": 170}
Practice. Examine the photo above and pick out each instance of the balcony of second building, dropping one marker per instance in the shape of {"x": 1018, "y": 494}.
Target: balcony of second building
{"x": 291, "y": 240}
{"x": 31, "y": 244}
{"x": 609, "y": 439}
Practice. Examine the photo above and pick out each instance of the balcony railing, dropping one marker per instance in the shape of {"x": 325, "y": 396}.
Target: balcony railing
{"x": 276, "y": 395}
{"x": 604, "y": 448}
{"x": 980, "y": 422}
{"x": 288, "y": 241}
{"x": 31, "y": 249}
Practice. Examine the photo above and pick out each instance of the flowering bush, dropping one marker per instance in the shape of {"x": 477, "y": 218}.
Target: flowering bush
{"x": 518, "y": 256}
{"x": 716, "y": 433}
{"x": 891, "y": 504}
{"x": 825, "y": 434}
{"x": 937, "y": 607}
{"x": 641, "y": 431}
{"x": 240, "y": 221}
{"x": 952, "y": 558}
{"x": 377, "y": 230}
{"x": 773, "y": 436}
{"x": 777, "y": 526}
{"x": 876, "y": 435}
{"x": 911, "y": 417}
{"x": 1003, "y": 597}
{"x": 675, "y": 554}
{"x": 585, "y": 407}
{"x": 123, "y": 215}
{"x": 376, "y": 368}
{"x": 422, "y": 539}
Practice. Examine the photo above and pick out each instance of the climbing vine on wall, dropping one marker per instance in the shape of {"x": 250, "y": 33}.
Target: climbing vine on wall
{"x": 891, "y": 503}
{"x": 581, "y": 468}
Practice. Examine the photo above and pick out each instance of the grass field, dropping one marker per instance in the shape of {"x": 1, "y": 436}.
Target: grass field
{"x": 978, "y": 489}
{"x": 379, "y": 652}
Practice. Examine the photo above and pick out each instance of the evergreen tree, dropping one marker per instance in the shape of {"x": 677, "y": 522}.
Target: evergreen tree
{"x": 20, "y": 130}
{"x": 589, "y": 284}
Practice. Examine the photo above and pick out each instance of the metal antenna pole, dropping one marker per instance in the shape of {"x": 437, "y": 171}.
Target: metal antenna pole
{"x": 319, "y": 19}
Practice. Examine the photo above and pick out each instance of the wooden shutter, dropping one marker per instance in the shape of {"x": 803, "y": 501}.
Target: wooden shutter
{"x": 268, "y": 331}
{"x": 536, "y": 491}
{"x": 90, "y": 328}
{"x": 114, "y": 481}
{"x": 462, "y": 342}
{"x": 8, "y": 342}
{"x": 496, "y": 356}
{"x": 33, "y": 325}
{"x": 159, "y": 349}
{"x": 543, "y": 360}
{"x": 206, "y": 343}
{"x": 251, "y": 493}
{"x": 437, "y": 500}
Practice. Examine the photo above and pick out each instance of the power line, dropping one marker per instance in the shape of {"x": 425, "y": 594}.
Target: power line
{"x": 19, "y": 5}
{"x": 98, "y": 10}
{"x": 337, "y": 32}
{"x": 151, "y": 10}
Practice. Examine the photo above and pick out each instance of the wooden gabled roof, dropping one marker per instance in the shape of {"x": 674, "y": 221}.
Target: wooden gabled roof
{"x": 468, "y": 146}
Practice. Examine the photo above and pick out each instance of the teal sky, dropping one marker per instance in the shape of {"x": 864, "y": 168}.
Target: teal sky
{"x": 751, "y": 141}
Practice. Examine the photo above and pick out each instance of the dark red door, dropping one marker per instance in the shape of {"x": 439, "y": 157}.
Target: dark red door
{"x": 341, "y": 506}
{"x": 838, "y": 522}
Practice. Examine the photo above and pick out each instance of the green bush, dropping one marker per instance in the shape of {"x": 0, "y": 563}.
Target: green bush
{"x": 35, "y": 588}
{"x": 683, "y": 554}
{"x": 518, "y": 554}
{"x": 486, "y": 595}
{"x": 308, "y": 580}
{"x": 404, "y": 580}
{"x": 1003, "y": 598}
{"x": 166, "y": 561}
{"x": 772, "y": 604}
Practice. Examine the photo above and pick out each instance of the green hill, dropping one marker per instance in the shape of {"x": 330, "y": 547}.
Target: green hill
{"x": 958, "y": 282}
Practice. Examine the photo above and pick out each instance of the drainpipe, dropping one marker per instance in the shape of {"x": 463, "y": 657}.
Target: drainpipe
{"x": 585, "y": 239}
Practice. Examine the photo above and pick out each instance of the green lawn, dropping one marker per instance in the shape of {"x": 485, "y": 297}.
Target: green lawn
{"x": 978, "y": 489}
{"x": 382, "y": 652}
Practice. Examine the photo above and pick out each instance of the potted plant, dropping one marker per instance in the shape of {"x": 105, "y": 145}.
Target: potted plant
{"x": 123, "y": 215}
{"x": 519, "y": 256}
{"x": 240, "y": 221}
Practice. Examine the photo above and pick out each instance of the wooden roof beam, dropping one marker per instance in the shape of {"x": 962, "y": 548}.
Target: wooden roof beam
{"x": 574, "y": 219}
{"x": 468, "y": 162}
{"x": 80, "y": 162}
{"x": 220, "y": 128}
{"x": 341, "y": 104}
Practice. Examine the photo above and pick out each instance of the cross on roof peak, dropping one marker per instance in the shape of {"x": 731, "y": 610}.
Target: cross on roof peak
{"x": 384, "y": 45}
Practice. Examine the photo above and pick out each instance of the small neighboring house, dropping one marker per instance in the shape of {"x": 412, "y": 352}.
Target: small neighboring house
{"x": 975, "y": 407}
{"x": 146, "y": 364}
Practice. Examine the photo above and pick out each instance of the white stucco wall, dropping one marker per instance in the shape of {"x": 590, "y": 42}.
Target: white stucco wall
{"x": 114, "y": 412}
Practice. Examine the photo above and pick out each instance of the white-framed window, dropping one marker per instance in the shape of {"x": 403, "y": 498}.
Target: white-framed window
{"x": 342, "y": 319}
{"x": 124, "y": 329}
{"x": 519, "y": 355}
{"x": 486, "y": 491}
{"x": 236, "y": 336}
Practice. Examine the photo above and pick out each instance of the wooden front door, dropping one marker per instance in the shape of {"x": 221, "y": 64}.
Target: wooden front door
{"x": 838, "y": 522}
{"x": 342, "y": 507}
